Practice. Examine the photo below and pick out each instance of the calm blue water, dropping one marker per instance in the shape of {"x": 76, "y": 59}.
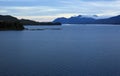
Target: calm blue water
{"x": 68, "y": 50}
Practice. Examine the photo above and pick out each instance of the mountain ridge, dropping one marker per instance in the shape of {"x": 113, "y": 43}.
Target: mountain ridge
{"x": 88, "y": 20}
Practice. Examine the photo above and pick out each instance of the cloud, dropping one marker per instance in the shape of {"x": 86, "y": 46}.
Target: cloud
{"x": 98, "y": 0}
{"x": 91, "y": 7}
{"x": 46, "y": 18}
{"x": 16, "y": 0}
{"x": 33, "y": 10}
{"x": 42, "y": 10}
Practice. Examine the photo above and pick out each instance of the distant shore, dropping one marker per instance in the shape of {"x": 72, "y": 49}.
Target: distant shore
{"x": 8, "y": 22}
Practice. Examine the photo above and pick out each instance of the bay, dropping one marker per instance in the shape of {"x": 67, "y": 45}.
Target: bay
{"x": 67, "y": 50}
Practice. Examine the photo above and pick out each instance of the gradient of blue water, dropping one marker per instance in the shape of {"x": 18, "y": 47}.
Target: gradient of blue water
{"x": 75, "y": 50}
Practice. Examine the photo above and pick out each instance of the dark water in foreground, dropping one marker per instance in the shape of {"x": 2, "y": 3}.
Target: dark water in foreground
{"x": 68, "y": 50}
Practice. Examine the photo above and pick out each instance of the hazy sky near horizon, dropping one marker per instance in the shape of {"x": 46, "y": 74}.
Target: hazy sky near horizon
{"x": 48, "y": 10}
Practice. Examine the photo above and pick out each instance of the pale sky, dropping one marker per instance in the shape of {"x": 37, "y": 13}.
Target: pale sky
{"x": 48, "y": 10}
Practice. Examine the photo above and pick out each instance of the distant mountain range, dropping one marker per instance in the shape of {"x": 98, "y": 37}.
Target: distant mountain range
{"x": 80, "y": 19}
{"x": 26, "y": 21}
{"x": 88, "y": 20}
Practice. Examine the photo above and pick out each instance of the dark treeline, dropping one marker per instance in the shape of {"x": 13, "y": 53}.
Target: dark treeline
{"x": 11, "y": 25}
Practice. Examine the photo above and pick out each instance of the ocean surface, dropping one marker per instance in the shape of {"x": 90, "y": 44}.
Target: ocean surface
{"x": 67, "y": 50}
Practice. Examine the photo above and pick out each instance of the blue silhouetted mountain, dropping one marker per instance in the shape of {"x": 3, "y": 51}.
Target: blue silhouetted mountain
{"x": 61, "y": 20}
{"x": 111, "y": 20}
{"x": 88, "y": 20}
{"x": 75, "y": 20}
{"x": 79, "y": 19}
